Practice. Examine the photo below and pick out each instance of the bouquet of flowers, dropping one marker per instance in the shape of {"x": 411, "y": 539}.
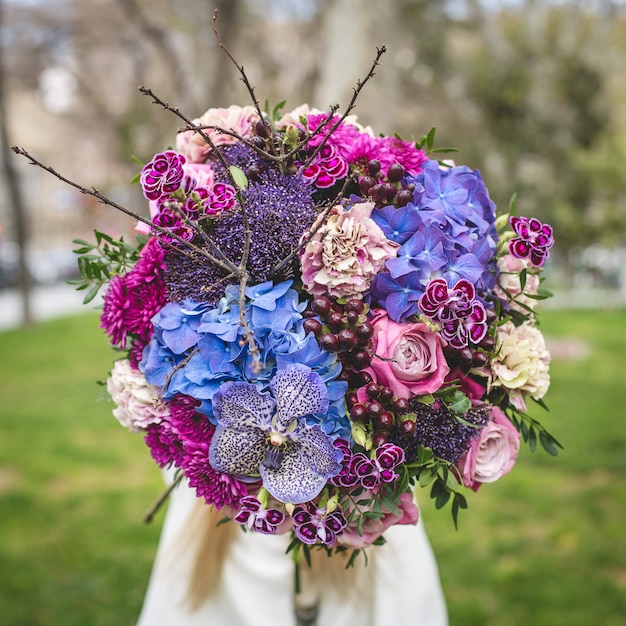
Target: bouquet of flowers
{"x": 316, "y": 319}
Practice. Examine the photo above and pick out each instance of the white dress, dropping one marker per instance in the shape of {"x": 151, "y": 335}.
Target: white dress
{"x": 399, "y": 586}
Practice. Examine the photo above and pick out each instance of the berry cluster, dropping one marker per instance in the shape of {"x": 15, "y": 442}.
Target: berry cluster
{"x": 385, "y": 192}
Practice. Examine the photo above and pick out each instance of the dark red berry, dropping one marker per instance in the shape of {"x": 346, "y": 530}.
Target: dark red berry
{"x": 311, "y": 325}
{"x": 361, "y": 358}
{"x": 254, "y": 172}
{"x": 355, "y": 305}
{"x": 347, "y": 339}
{"x": 487, "y": 343}
{"x": 365, "y": 331}
{"x": 365, "y": 184}
{"x": 395, "y": 173}
{"x": 358, "y": 413}
{"x": 372, "y": 390}
{"x": 373, "y": 167}
{"x": 259, "y": 142}
{"x": 374, "y": 408}
{"x": 321, "y": 305}
{"x": 408, "y": 427}
{"x": 362, "y": 378}
{"x": 385, "y": 420}
{"x": 465, "y": 357}
{"x": 390, "y": 192}
{"x": 386, "y": 395}
{"x": 378, "y": 193}
{"x": 401, "y": 405}
{"x": 379, "y": 438}
{"x": 308, "y": 313}
{"x": 261, "y": 128}
{"x": 352, "y": 317}
{"x": 335, "y": 321}
{"x": 479, "y": 359}
{"x": 352, "y": 399}
{"x": 329, "y": 342}
{"x": 404, "y": 197}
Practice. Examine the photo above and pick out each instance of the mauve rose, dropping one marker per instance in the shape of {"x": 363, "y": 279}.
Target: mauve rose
{"x": 374, "y": 528}
{"x": 492, "y": 454}
{"x": 408, "y": 357}
{"x": 241, "y": 120}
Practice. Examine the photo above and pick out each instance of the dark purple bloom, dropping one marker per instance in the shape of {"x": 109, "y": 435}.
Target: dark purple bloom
{"x": 461, "y": 317}
{"x": 533, "y": 240}
{"x": 255, "y": 517}
{"x": 371, "y": 472}
{"x": 163, "y": 175}
{"x": 266, "y": 436}
{"x": 312, "y": 525}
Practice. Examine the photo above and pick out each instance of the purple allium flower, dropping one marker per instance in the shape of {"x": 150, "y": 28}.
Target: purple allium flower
{"x": 437, "y": 428}
{"x": 266, "y": 436}
{"x": 255, "y": 517}
{"x": 312, "y": 525}
{"x": 533, "y": 240}
{"x": 462, "y": 318}
{"x": 163, "y": 175}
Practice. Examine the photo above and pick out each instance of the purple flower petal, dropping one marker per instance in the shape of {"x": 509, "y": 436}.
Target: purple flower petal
{"x": 239, "y": 404}
{"x": 237, "y": 452}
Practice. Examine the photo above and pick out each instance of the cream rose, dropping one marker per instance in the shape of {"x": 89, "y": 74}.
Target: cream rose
{"x": 138, "y": 402}
{"x": 521, "y": 362}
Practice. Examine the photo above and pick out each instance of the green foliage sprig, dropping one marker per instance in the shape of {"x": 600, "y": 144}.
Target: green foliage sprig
{"x": 99, "y": 262}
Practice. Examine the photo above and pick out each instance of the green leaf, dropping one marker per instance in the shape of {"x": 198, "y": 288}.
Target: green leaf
{"x": 513, "y": 204}
{"x": 459, "y": 403}
{"x": 92, "y": 293}
{"x": 549, "y": 443}
{"x": 444, "y": 150}
{"x": 239, "y": 177}
{"x": 532, "y": 439}
{"x": 442, "y": 499}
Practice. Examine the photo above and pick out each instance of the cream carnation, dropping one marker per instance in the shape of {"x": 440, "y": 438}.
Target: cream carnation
{"x": 346, "y": 253}
{"x": 138, "y": 402}
{"x": 240, "y": 120}
{"x": 521, "y": 364}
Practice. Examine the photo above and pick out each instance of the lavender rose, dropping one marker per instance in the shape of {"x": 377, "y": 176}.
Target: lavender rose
{"x": 408, "y": 357}
{"x": 138, "y": 402}
{"x": 346, "y": 253}
{"x": 492, "y": 454}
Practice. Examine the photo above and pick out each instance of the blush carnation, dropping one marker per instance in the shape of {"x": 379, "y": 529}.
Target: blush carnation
{"x": 346, "y": 253}
{"x": 509, "y": 287}
{"x": 138, "y": 402}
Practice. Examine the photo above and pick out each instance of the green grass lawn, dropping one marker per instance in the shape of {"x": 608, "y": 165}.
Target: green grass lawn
{"x": 543, "y": 546}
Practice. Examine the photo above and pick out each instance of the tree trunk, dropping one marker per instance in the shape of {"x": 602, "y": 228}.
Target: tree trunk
{"x": 14, "y": 196}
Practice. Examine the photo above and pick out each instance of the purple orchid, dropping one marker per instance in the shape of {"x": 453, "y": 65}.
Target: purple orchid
{"x": 261, "y": 434}
{"x": 255, "y": 517}
{"x": 311, "y": 524}
{"x": 533, "y": 240}
{"x": 462, "y": 318}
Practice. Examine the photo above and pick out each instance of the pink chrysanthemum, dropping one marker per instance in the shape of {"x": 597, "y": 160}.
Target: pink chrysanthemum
{"x": 149, "y": 266}
{"x": 342, "y": 138}
{"x": 113, "y": 317}
{"x": 403, "y": 152}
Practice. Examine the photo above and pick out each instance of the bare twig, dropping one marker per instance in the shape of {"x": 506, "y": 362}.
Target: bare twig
{"x": 160, "y": 501}
{"x": 357, "y": 90}
{"x": 225, "y": 266}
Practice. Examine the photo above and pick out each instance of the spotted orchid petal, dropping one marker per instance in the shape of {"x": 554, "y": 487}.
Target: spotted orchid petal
{"x": 238, "y": 405}
{"x": 237, "y": 452}
{"x": 299, "y": 391}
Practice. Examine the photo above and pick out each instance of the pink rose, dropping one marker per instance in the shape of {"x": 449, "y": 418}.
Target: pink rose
{"x": 240, "y": 120}
{"x": 408, "y": 358}
{"x": 492, "y": 454}
{"x": 374, "y": 528}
